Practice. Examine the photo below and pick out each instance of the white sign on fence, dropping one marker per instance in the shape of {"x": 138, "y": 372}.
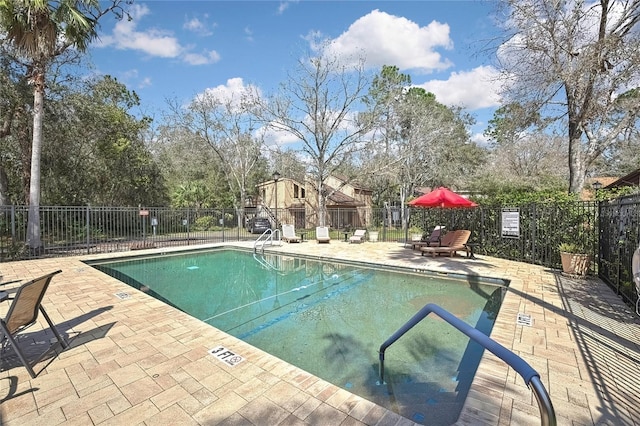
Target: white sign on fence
{"x": 511, "y": 223}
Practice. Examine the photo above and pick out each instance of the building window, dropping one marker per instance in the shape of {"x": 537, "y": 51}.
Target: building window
{"x": 297, "y": 191}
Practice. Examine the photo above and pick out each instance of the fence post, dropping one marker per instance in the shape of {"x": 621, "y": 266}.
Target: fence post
{"x": 384, "y": 225}
{"x": 88, "y": 228}
{"x": 619, "y": 246}
{"x": 223, "y": 213}
{"x": 534, "y": 234}
{"x": 13, "y": 222}
{"x": 407, "y": 217}
{"x": 483, "y": 233}
{"x": 598, "y": 239}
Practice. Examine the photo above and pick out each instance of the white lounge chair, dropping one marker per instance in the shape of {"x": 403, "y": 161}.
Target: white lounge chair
{"x": 289, "y": 234}
{"x": 322, "y": 234}
{"x": 358, "y": 236}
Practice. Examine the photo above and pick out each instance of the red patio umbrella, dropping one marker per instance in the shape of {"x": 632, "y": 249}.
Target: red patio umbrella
{"x": 442, "y": 197}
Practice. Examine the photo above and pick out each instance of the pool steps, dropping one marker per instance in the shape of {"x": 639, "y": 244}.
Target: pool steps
{"x": 531, "y": 377}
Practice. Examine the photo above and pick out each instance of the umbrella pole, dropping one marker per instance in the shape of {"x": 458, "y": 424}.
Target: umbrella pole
{"x": 440, "y": 219}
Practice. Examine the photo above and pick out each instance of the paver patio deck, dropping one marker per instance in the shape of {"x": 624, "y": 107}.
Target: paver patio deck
{"x": 139, "y": 361}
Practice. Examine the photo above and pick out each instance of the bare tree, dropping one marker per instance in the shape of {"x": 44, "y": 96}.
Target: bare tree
{"x": 521, "y": 152}
{"x": 288, "y": 163}
{"x": 577, "y": 63}
{"x": 317, "y": 105}
{"x": 229, "y": 126}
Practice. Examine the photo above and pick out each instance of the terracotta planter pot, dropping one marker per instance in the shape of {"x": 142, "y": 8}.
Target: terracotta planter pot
{"x": 575, "y": 263}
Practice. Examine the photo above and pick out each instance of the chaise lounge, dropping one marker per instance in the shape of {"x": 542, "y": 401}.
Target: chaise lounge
{"x": 358, "y": 236}
{"x": 451, "y": 243}
{"x": 289, "y": 234}
{"x": 432, "y": 240}
{"x": 322, "y": 234}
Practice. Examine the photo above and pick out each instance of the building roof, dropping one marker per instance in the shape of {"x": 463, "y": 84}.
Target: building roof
{"x": 589, "y": 192}
{"x": 340, "y": 198}
{"x": 632, "y": 179}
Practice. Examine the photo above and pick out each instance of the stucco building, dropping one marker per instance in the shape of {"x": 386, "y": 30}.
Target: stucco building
{"x": 291, "y": 201}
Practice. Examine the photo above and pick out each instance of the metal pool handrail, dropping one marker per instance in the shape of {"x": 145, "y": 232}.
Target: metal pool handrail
{"x": 530, "y": 376}
{"x": 266, "y": 237}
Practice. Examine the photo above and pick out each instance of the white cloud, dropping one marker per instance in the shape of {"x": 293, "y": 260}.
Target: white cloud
{"x": 210, "y": 57}
{"x": 198, "y": 26}
{"x": 248, "y": 33}
{"x": 386, "y": 39}
{"x": 475, "y": 89}
{"x": 284, "y": 5}
{"x": 154, "y": 42}
{"x": 146, "y": 82}
{"x": 232, "y": 91}
{"x": 480, "y": 139}
{"x": 129, "y": 74}
{"x": 273, "y": 137}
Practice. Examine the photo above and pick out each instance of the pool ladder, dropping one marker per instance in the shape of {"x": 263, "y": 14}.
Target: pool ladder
{"x": 530, "y": 376}
{"x": 266, "y": 238}
{"x": 265, "y": 263}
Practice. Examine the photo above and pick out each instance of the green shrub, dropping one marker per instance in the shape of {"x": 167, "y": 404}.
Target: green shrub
{"x": 205, "y": 223}
{"x": 571, "y": 248}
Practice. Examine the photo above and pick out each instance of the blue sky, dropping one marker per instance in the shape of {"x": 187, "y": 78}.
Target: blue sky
{"x": 178, "y": 49}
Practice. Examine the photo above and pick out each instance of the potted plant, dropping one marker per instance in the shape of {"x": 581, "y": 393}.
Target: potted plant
{"x": 575, "y": 260}
{"x": 373, "y": 236}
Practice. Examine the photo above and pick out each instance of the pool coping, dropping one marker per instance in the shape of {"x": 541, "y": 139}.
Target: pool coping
{"x": 503, "y": 282}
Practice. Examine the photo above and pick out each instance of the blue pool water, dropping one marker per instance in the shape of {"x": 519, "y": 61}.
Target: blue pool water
{"x": 330, "y": 319}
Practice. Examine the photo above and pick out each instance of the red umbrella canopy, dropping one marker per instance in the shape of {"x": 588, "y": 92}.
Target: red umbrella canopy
{"x": 442, "y": 197}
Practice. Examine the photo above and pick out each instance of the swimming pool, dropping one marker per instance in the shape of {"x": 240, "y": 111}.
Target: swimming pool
{"x": 330, "y": 318}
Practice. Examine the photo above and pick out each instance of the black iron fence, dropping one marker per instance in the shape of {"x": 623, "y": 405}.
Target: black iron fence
{"x": 618, "y": 238}
{"x": 86, "y": 229}
{"x": 531, "y": 233}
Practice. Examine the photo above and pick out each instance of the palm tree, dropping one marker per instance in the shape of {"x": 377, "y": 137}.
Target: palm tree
{"x": 40, "y": 31}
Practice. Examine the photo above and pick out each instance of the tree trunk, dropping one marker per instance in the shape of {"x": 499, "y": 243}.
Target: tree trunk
{"x": 25, "y": 141}
{"x": 389, "y": 213}
{"x": 403, "y": 209}
{"x": 322, "y": 219}
{"x": 4, "y": 187}
{"x": 33, "y": 224}
{"x": 240, "y": 210}
{"x": 577, "y": 165}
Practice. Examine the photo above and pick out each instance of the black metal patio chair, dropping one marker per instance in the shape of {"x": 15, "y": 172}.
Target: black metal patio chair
{"x": 23, "y": 313}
